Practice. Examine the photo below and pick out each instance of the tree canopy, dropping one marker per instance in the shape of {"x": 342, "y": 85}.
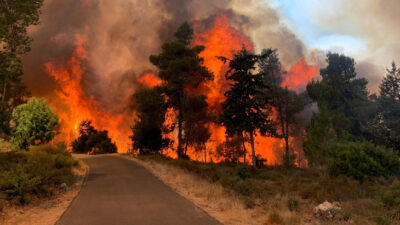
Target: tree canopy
{"x": 180, "y": 67}
{"x": 33, "y": 123}
{"x": 245, "y": 109}
{"x": 149, "y": 126}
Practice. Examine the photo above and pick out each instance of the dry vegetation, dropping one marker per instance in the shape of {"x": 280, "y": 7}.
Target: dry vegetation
{"x": 45, "y": 211}
{"x": 274, "y": 195}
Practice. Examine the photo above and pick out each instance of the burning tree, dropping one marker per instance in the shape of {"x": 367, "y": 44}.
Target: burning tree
{"x": 92, "y": 141}
{"x": 286, "y": 103}
{"x": 148, "y": 129}
{"x": 180, "y": 67}
{"x": 246, "y": 108}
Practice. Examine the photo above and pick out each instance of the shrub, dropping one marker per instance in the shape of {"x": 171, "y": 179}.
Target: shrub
{"x": 363, "y": 161}
{"x": 92, "y": 140}
{"x": 391, "y": 202}
{"x": 33, "y": 123}
{"x": 293, "y": 203}
{"x": 35, "y": 173}
{"x": 243, "y": 172}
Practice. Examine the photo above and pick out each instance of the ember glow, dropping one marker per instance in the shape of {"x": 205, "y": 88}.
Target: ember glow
{"x": 79, "y": 106}
{"x": 299, "y": 75}
{"x": 149, "y": 80}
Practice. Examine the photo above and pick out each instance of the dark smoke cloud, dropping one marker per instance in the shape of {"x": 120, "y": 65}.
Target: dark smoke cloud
{"x": 121, "y": 34}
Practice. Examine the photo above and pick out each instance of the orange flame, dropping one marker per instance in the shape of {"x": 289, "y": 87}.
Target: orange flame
{"x": 149, "y": 80}
{"x": 299, "y": 76}
{"x": 80, "y": 107}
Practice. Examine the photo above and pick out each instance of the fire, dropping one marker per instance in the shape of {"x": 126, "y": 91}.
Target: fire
{"x": 220, "y": 39}
{"x": 223, "y": 40}
{"x": 79, "y": 106}
{"x": 149, "y": 80}
{"x": 299, "y": 76}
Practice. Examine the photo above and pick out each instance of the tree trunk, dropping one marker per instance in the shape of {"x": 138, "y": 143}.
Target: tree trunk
{"x": 287, "y": 135}
{"x": 3, "y": 97}
{"x": 253, "y": 150}
{"x": 244, "y": 149}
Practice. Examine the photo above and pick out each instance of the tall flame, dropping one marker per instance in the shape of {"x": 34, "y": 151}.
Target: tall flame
{"x": 220, "y": 39}
{"x": 79, "y": 106}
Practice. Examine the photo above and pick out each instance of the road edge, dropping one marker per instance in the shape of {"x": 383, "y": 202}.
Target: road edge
{"x": 87, "y": 168}
{"x": 140, "y": 163}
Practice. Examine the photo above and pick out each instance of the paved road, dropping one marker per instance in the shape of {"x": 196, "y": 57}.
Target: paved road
{"x": 119, "y": 191}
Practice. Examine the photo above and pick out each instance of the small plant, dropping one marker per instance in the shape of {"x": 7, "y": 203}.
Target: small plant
{"x": 274, "y": 218}
{"x": 243, "y": 172}
{"x": 293, "y": 203}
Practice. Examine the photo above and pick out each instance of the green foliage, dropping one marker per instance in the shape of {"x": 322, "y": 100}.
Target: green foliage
{"x": 148, "y": 129}
{"x": 245, "y": 109}
{"x": 344, "y": 95}
{"x": 319, "y": 138}
{"x": 390, "y": 203}
{"x": 243, "y": 172}
{"x": 36, "y": 172}
{"x": 385, "y": 127}
{"x": 33, "y": 123}
{"x": 92, "y": 140}
{"x": 15, "y": 18}
{"x": 363, "y": 161}
{"x": 181, "y": 67}
{"x": 196, "y": 130}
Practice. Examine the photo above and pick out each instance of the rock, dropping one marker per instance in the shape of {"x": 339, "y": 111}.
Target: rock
{"x": 327, "y": 210}
{"x": 21, "y": 212}
{"x": 64, "y": 187}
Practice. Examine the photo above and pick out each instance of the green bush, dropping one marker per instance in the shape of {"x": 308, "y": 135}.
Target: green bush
{"x": 35, "y": 173}
{"x": 363, "y": 161}
{"x": 243, "y": 172}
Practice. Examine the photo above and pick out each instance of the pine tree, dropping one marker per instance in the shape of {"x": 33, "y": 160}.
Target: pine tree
{"x": 149, "y": 127}
{"x": 245, "y": 109}
{"x": 180, "y": 67}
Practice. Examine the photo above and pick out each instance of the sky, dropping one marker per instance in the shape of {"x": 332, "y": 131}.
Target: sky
{"x": 366, "y": 30}
{"x": 300, "y": 16}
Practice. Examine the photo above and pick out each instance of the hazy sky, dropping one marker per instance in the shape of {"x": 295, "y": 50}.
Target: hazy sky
{"x": 366, "y": 30}
{"x": 302, "y": 17}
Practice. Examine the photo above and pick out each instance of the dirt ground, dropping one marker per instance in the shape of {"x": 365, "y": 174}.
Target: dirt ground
{"x": 45, "y": 211}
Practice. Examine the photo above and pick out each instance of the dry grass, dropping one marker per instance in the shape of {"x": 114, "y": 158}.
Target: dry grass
{"x": 271, "y": 195}
{"x": 45, "y": 211}
{"x": 224, "y": 205}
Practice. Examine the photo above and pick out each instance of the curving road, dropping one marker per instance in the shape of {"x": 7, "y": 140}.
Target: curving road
{"x": 119, "y": 191}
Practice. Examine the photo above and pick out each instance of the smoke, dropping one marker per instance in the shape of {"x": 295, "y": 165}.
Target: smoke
{"x": 122, "y": 34}
{"x": 376, "y": 22}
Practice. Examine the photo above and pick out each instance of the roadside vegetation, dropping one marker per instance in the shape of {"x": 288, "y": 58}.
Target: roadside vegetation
{"x": 33, "y": 167}
{"x": 289, "y": 195}
{"x": 39, "y": 172}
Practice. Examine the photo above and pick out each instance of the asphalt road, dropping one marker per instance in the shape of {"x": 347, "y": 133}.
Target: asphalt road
{"x": 119, "y": 191}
